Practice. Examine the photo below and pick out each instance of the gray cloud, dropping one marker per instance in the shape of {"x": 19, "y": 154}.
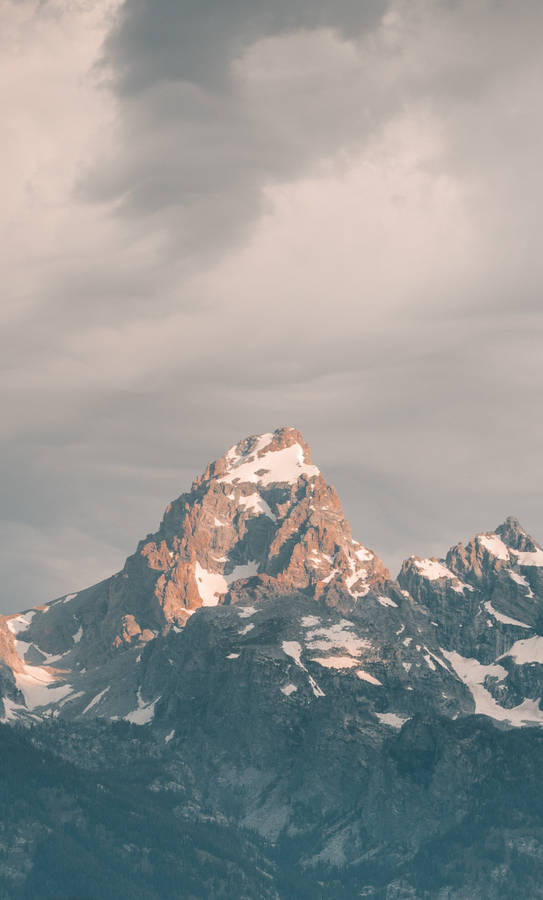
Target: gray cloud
{"x": 198, "y": 138}
{"x": 307, "y": 214}
{"x": 191, "y": 41}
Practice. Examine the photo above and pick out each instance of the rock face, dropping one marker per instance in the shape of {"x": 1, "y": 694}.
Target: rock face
{"x": 260, "y": 523}
{"x": 262, "y": 530}
{"x": 261, "y": 518}
{"x": 306, "y": 723}
{"x": 485, "y": 599}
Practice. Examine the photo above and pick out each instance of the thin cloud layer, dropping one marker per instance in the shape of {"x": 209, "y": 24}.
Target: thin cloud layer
{"x": 221, "y": 218}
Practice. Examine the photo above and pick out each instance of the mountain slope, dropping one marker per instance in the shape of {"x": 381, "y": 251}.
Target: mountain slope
{"x": 71, "y": 828}
{"x": 259, "y": 525}
{"x": 486, "y": 600}
{"x": 253, "y": 708}
{"x": 263, "y": 537}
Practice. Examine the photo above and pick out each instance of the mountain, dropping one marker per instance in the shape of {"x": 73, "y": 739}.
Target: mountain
{"x": 485, "y": 598}
{"x": 295, "y": 721}
{"x": 260, "y": 526}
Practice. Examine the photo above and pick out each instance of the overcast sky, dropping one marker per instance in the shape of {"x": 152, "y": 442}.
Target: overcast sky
{"x": 221, "y": 216}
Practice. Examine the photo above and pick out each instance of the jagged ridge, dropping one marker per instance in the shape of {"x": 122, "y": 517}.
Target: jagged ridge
{"x": 261, "y": 527}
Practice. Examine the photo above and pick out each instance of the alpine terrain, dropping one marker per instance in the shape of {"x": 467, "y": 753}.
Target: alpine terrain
{"x": 254, "y": 708}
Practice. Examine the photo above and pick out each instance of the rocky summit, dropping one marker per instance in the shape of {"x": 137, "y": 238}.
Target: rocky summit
{"x": 254, "y": 708}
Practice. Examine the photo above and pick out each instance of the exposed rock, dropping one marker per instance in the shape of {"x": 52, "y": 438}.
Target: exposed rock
{"x": 260, "y": 523}
{"x": 253, "y": 708}
{"x": 486, "y": 601}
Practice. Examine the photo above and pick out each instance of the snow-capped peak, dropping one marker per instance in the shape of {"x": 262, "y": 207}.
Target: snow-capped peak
{"x": 264, "y": 459}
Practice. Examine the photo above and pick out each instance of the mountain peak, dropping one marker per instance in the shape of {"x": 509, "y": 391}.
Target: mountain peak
{"x": 264, "y": 510}
{"x": 261, "y": 524}
{"x": 261, "y": 533}
{"x": 279, "y": 457}
{"x": 513, "y": 534}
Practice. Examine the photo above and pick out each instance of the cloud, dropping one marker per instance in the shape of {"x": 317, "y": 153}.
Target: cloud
{"x": 217, "y": 103}
{"x": 224, "y": 217}
{"x": 191, "y": 41}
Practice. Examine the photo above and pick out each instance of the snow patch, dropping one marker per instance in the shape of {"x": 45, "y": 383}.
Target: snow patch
{"x": 432, "y": 569}
{"x": 234, "y": 457}
{"x": 500, "y": 617}
{"x": 95, "y": 700}
{"x": 386, "y": 601}
{"x": 40, "y": 687}
{"x": 288, "y": 689}
{"x": 78, "y": 635}
{"x": 365, "y": 676}
{"x": 144, "y": 713}
{"x": 473, "y": 674}
{"x": 244, "y": 612}
{"x": 233, "y": 656}
{"x": 522, "y": 580}
{"x": 525, "y": 558}
{"x": 439, "y": 661}
{"x": 256, "y": 504}
{"x": 294, "y": 650}
{"x": 318, "y": 558}
{"x": 20, "y": 623}
{"x": 322, "y": 555}
{"x": 392, "y": 719}
{"x": 71, "y": 697}
{"x": 317, "y": 691}
{"x": 169, "y": 736}
{"x": 356, "y": 576}
{"x": 283, "y": 466}
{"x": 494, "y": 545}
{"x": 329, "y": 577}
{"x": 49, "y": 659}
{"x": 246, "y": 629}
{"x": 211, "y": 585}
{"x": 363, "y": 554}
{"x": 21, "y": 649}
{"x": 337, "y": 637}
{"x": 11, "y": 710}
{"x": 336, "y": 662}
{"x": 529, "y": 650}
